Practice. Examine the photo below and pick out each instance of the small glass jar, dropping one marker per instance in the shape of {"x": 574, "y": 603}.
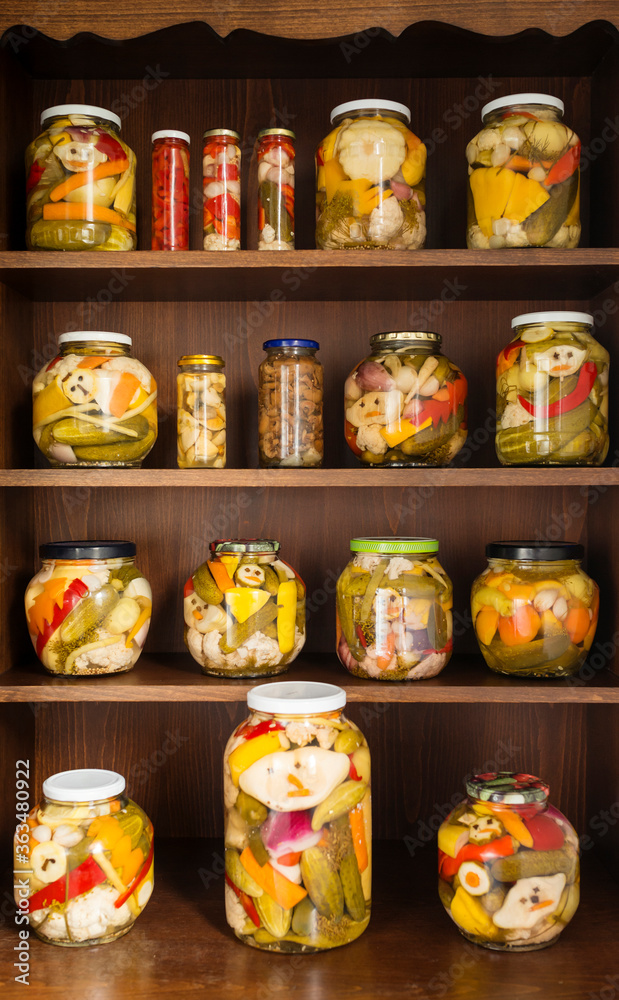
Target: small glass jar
{"x": 80, "y": 182}
{"x": 552, "y": 392}
{"x": 201, "y": 412}
{"x": 394, "y": 610}
{"x": 244, "y": 610}
{"x": 298, "y": 824}
{"x": 405, "y": 404}
{"x": 534, "y": 609}
{"x": 221, "y": 172}
{"x": 290, "y": 428}
{"x": 524, "y": 176}
{"x": 276, "y": 189}
{"x": 509, "y": 873}
{"x": 370, "y": 179}
{"x": 84, "y": 868}
{"x": 94, "y": 404}
{"x": 88, "y": 608}
{"x": 170, "y": 211}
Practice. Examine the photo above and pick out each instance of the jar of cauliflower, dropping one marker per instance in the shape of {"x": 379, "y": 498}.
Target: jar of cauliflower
{"x": 524, "y": 176}
{"x": 83, "y": 860}
{"x": 94, "y": 405}
{"x": 370, "y": 179}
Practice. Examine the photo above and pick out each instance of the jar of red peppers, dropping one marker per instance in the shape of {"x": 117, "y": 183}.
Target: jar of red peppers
{"x": 276, "y": 189}
{"x": 221, "y": 171}
{"x": 170, "y": 220}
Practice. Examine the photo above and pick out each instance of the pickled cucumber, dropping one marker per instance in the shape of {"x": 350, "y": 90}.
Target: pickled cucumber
{"x": 271, "y": 582}
{"x": 275, "y": 918}
{"x": 258, "y": 849}
{"x": 239, "y": 632}
{"x": 89, "y": 613}
{"x": 304, "y": 918}
{"x": 528, "y": 864}
{"x": 542, "y": 224}
{"x": 341, "y": 800}
{"x": 253, "y": 812}
{"x": 352, "y": 888}
{"x": 126, "y": 574}
{"x": 121, "y": 452}
{"x": 323, "y": 884}
{"x": 205, "y": 586}
{"x": 241, "y": 878}
{"x": 348, "y": 741}
{"x": 73, "y": 431}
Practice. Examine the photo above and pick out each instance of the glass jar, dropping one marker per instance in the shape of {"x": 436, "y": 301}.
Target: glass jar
{"x": 94, "y": 404}
{"x": 552, "y": 392}
{"x": 394, "y": 617}
{"x": 524, "y": 176}
{"x": 244, "y": 610}
{"x": 88, "y": 608}
{"x": 405, "y": 404}
{"x": 298, "y": 831}
{"x": 290, "y": 429}
{"x": 221, "y": 172}
{"x": 84, "y": 867}
{"x": 170, "y": 211}
{"x": 276, "y": 189}
{"x": 509, "y": 874}
{"x": 370, "y": 179}
{"x": 80, "y": 182}
{"x": 201, "y": 412}
{"x": 534, "y": 609}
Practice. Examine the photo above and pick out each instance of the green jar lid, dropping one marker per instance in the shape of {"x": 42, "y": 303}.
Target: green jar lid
{"x": 393, "y": 545}
{"x": 508, "y": 787}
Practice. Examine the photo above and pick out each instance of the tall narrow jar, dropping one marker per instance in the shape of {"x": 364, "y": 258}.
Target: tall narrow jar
{"x": 276, "y": 189}
{"x": 170, "y": 212}
{"x": 201, "y": 412}
{"x": 221, "y": 171}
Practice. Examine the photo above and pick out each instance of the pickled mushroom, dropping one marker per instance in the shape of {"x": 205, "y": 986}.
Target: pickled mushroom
{"x": 295, "y": 780}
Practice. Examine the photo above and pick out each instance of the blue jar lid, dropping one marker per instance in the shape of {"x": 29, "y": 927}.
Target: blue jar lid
{"x": 313, "y": 344}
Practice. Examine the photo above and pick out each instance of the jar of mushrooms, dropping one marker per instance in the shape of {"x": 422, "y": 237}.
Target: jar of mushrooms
{"x": 290, "y": 387}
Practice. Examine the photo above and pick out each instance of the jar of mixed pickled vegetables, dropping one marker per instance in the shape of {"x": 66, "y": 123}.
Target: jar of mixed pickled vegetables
{"x": 94, "y": 404}
{"x": 370, "y": 179}
{"x": 534, "y": 609}
{"x": 552, "y": 392}
{"x": 509, "y": 873}
{"x": 83, "y": 860}
{"x": 290, "y": 385}
{"x": 394, "y": 610}
{"x": 88, "y": 608}
{"x": 221, "y": 173}
{"x": 405, "y": 404}
{"x": 276, "y": 189}
{"x": 244, "y": 610}
{"x": 170, "y": 195}
{"x": 201, "y": 412}
{"x": 298, "y": 825}
{"x": 524, "y": 176}
{"x": 80, "y": 182}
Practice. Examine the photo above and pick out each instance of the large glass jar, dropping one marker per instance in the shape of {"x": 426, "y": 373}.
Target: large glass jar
{"x": 405, "y": 404}
{"x": 170, "y": 195}
{"x": 84, "y": 868}
{"x": 534, "y": 609}
{"x": 290, "y": 429}
{"x": 298, "y": 825}
{"x": 221, "y": 173}
{"x": 94, "y": 404}
{"x": 201, "y": 412}
{"x": 276, "y": 189}
{"x": 509, "y": 874}
{"x": 552, "y": 392}
{"x": 80, "y": 182}
{"x": 524, "y": 176}
{"x": 244, "y": 610}
{"x": 88, "y": 608}
{"x": 394, "y": 617}
{"x": 370, "y": 179}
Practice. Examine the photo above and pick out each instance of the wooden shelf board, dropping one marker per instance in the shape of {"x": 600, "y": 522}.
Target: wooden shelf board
{"x": 181, "y": 946}
{"x": 194, "y": 275}
{"x": 175, "y": 677}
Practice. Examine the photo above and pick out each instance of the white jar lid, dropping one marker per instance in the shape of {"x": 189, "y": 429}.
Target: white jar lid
{"x": 86, "y": 335}
{"x": 506, "y": 102}
{"x": 555, "y": 316}
{"x": 371, "y": 104}
{"x": 169, "y": 133}
{"x": 83, "y": 785}
{"x": 60, "y": 110}
{"x": 296, "y": 698}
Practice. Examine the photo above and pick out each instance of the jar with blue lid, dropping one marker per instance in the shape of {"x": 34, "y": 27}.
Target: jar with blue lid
{"x": 290, "y": 387}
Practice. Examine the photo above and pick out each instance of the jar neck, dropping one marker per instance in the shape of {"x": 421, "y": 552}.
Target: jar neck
{"x": 554, "y": 565}
{"x": 89, "y": 563}
{"x": 370, "y": 113}
{"x": 548, "y": 113}
{"x": 563, "y": 327}
{"x": 294, "y": 351}
{"x": 73, "y": 803}
{"x": 86, "y": 122}
{"x": 254, "y": 557}
{"x": 199, "y": 369}
{"x": 95, "y": 347}
{"x": 170, "y": 140}
{"x": 521, "y": 808}
{"x": 408, "y": 347}
{"x": 326, "y": 717}
{"x": 415, "y": 556}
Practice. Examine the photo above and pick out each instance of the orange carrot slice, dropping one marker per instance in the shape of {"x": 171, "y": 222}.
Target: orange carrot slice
{"x": 80, "y": 210}
{"x": 132, "y": 866}
{"x": 124, "y": 391}
{"x": 88, "y": 177}
{"x": 276, "y": 885}
{"x": 357, "y": 827}
{"x": 220, "y": 575}
{"x": 93, "y": 362}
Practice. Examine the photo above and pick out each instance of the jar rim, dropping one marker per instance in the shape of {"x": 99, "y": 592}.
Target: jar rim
{"x": 221, "y": 131}
{"x": 311, "y": 344}
{"x": 170, "y": 133}
{"x": 89, "y": 110}
{"x": 94, "y": 335}
{"x": 201, "y": 359}
{"x": 85, "y": 549}
{"x": 244, "y": 545}
{"x": 393, "y": 545}
{"x": 83, "y": 785}
{"x": 370, "y": 104}
{"x": 511, "y": 99}
{"x": 553, "y": 316}
{"x": 412, "y": 335}
{"x": 286, "y": 132}
{"x": 530, "y": 551}
{"x": 508, "y": 787}
{"x": 296, "y": 698}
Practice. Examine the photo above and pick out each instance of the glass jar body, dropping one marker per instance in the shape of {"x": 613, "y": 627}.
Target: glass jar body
{"x": 276, "y": 173}
{"x": 221, "y": 172}
{"x": 290, "y": 423}
{"x": 201, "y": 417}
{"x": 170, "y": 201}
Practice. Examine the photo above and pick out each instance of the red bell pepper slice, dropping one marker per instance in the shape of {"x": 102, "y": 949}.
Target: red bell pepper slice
{"x": 506, "y": 357}
{"x": 139, "y": 878}
{"x": 565, "y": 166}
{"x": 82, "y": 879}
{"x": 246, "y": 902}
{"x": 361, "y": 636}
{"x": 110, "y": 146}
{"x": 227, "y": 172}
{"x": 502, "y": 847}
{"x": 223, "y": 205}
{"x": 350, "y": 433}
{"x": 353, "y": 774}
{"x": 71, "y": 598}
{"x": 586, "y": 378}
{"x": 189, "y": 588}
{"x": 547, "y": 835}
{"x": 36, "y": 172}
{"x": 266, "y": 726}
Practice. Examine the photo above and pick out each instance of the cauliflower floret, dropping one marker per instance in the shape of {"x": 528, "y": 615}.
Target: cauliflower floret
{"x": 236, "y": 827}
{"x": 429, "y": 667}
{"x": 195, "y": 643}
{"x": 514, "y": 415}
{"x": 369, "y": 438}
{"x": 370, "y": 662}
{"x": 268, "y": 234}
{"x": 134, "y": 367}
{"x": 476, "y": 238}
{"x": 259, "y": 648}
{"x": 368, "y": 563}
{"x": 116, "y": 655}
{"x": 303, "y": 733}
{"x": 267, "y": 650}
{"x": 386, "y": 220}
{"x": 235, "y": 914}
{"x": 94, "y": 914}
{"x": 216, "y": 242}
{"x": 398, "y": 565}
{"x": 54, "y": 927}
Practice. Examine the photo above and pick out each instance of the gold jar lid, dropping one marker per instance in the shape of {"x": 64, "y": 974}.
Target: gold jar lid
{"x": 201, "y": 359}
{"x": 221, "y": 131}
{"x": 276, "y": 131}
{"x": 416, "y": 335}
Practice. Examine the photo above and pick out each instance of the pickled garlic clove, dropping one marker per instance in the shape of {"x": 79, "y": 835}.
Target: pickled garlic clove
{"x": 560, "y": 609}
{"x": 545, "y": 600}
{"x": 371, "y": 375}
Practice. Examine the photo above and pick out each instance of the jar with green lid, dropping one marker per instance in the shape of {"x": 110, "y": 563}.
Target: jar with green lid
{"x": 534, "y": 609}
{"x": 524, "y": 176}
{"x": 80, "y": 182}
{"x": 201, "y": 412}
{"x": 370, "y": 179}
{"x": 405, "y": 404}
{"x": 244, "y": 610}
{"x": 83, "y": 860}
{"x": 94, "y": 404}
{"x": 508, "y": 861}
{"x": 394, "y": 610}
{"x": 552, "y": 392}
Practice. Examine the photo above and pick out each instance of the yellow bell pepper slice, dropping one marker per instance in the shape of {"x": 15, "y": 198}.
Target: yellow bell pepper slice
{"x": 250, "y": 751}
{"x": 334, "y": 175}
{"x": 244, "y": 602}
{"x": 491, "y": 188}
{"x": 328, "y": 144}
{"x": 525, "y": 198}
{"x": 286, "y": 614}
{"x": 231, "y": 563}
{"x": 399, "y": 431}
{"x": 470, "y": 915}
{"x": 48, "y": 401}
{"x": 452, "y": 838}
